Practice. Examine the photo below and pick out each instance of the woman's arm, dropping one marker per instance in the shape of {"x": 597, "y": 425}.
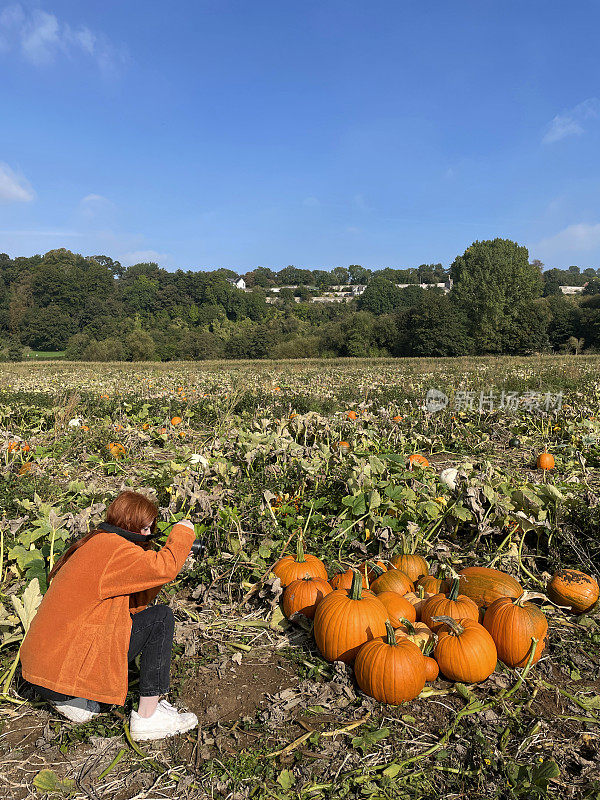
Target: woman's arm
{"x": 132, "y": 569}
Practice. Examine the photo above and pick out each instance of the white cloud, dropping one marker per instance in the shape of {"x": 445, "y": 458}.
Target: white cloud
{"x": 41, "y": 37}
{"x": 14, "y": 188}
{"x": 144, "y": 256}
{"x": 571, "y": 122}
{"x": 311, "y": 202}
{"x": 93, "y": 206}
{"x": 579, "y": 238}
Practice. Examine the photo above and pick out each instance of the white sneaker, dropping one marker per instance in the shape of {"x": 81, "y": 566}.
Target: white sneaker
{"x": 166, "y": 721}
{"x": 78, "y": 709}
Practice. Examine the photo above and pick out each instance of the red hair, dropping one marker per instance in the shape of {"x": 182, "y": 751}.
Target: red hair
{"x": 131, "y": 511}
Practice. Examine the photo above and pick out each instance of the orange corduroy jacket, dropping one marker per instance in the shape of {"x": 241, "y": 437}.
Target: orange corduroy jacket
{"x": 78, "y": 641}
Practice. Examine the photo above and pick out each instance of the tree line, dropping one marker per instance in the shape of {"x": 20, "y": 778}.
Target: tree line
{"x": 94, "y": 309}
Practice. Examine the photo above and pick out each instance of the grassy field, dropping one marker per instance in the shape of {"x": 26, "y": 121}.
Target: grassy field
{"x": 255, "y": 462}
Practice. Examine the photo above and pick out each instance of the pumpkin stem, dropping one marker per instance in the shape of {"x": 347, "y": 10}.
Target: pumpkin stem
{"x": 456, "y": 629}
{"x": 376, "y": 569}
{"x": 527, "y": 596}
{"x": 427, "y": 647}
{"x": 408, "y": 625}
{"x": 454, "y": 589}
{"x": 300, "y": 551}
{"x": 356, "y": 588}
{"x": 391, "y": 636}
{"x": 421, "y": 593}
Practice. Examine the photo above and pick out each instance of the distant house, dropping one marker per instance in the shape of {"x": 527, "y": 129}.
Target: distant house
{"x": 446, "y": 286}
{"x": 573, "y": 289}
{"x": 239, "y": 283}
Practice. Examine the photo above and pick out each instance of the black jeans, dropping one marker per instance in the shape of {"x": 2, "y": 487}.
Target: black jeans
{"x": 151, "y": 637}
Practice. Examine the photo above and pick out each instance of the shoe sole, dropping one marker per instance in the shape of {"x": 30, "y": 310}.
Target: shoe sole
{"x": 141, "y": 737}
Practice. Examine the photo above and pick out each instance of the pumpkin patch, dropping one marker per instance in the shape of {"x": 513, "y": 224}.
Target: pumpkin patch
{"x": 284, "y": 656}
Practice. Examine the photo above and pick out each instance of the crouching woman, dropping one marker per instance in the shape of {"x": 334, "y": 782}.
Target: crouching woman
{"x": 96, "y": 617}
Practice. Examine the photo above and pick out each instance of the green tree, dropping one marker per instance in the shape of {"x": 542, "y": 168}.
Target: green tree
{"x": 493, "y": 283}
{"x": 380, "y": 297}
{"x": 140, "y": 345}
{"x": 359, "y": 275}
{"x": 552, "y": 283}
{"x": 593, "y": 287}
{"x": 106, "y": 350}
{"x": 434, "y": 327}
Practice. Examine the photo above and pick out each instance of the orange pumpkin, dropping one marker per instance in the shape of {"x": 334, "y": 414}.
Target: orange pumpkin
{"x": 372, "y": 570}
{"x": 289, "y": 569}
{"x": 449, "y": 605}
{"x": 394, "y": 580}
{"x": 432, "y": 669}
{"x": 304, "y": 595}
{"x": 418, "y": 459}
{"x": 344, "y": 621}
{"x": 343, "y": 580}
{"x": 418, "y": 598}
{"x": 116, "y": 450}
{"x": 572, "y": 588}
{"x": 545, "y": 461}
{"x": 417, "y": 632}
{"x": 343, "y": 447}
{"x": 397, "y": 607}
{"x": 176, "y": 421}
{"x": 512, "y": 625}
{"x": 389, "y": 670}
{"x": 351, "y": 415}
{"x": 465, "y": 651}
{"x": 484, "y": 585}
{"x": 412, "y": 565}
{"x": 432, "y": 584}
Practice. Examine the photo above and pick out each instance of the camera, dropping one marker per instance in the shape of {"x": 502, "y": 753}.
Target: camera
{"x": 198, "y": 548}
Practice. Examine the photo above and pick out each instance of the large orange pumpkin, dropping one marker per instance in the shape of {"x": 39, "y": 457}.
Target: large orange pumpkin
{"x": 465, "y": 651}
{"x": 394, "y": 580}
{"x": 572, "y": 588}
{"x": 289, "y": 569}
{"x": 346, "y": 620}
{"x": 512, "y": 625}
{"x": 412, "y": 565}
{"x": 391, "y": 671}
{"x": 304, "y": 595}
{"x": 417, "y": 458}
{"x": 484, "y": 585}
{"x": 397, "y": 607}
{"x": 351, "y": 415}
{"x": 450, "y": 605}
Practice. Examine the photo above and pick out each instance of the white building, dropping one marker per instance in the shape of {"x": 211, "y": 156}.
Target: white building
{"x": 573, "y": 289}
{"x": 239, "y": 283}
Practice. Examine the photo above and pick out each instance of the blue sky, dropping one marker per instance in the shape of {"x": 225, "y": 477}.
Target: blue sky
{"x": 230, "y": 133}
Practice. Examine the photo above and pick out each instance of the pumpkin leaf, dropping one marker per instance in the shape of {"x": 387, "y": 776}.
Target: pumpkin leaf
{"x": 47, "y": 781}
{"x": 543, "y": 773}
{"x": 27, "y": 608}
{"x": 365, "y": 742}
{"x": 286, "y": 779}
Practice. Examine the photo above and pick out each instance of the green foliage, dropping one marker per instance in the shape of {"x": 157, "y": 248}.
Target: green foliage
{"x": 494, "y": 286}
